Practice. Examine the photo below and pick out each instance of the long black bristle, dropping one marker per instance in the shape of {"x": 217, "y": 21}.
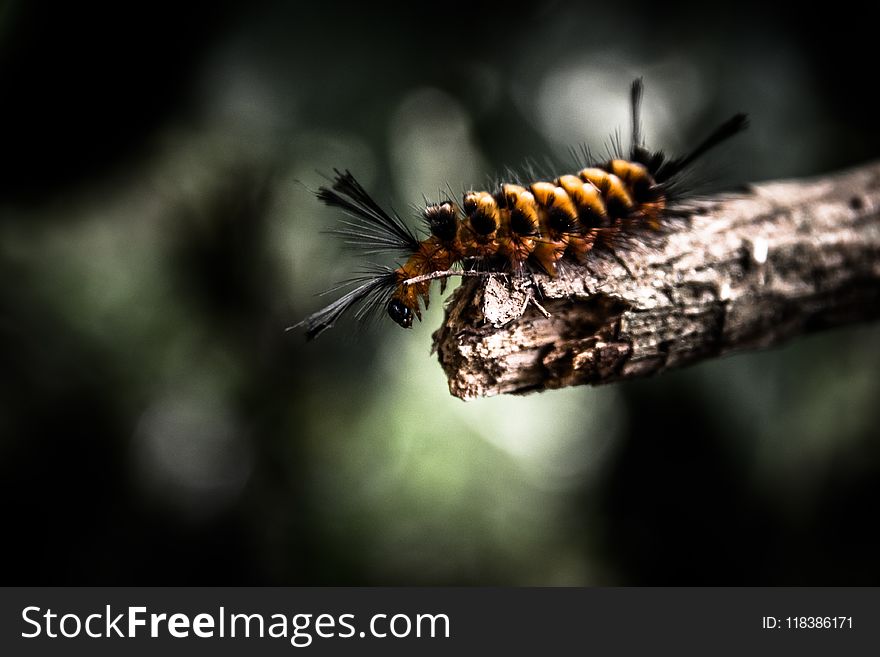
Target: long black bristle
{"x": 635, "y": 98}
{"x": 734, "y": 125}
{"x": 371, "y": 228}
{"x": 373, "y": 291}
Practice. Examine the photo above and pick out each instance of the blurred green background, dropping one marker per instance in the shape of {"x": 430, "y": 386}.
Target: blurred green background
{"x": 157, "y": 235}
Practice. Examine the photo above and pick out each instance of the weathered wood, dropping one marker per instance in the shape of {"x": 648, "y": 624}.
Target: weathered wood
{"x": 741, "y": 272}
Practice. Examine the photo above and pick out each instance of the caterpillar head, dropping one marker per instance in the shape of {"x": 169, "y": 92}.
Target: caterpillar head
{"x": 400, "y": 313}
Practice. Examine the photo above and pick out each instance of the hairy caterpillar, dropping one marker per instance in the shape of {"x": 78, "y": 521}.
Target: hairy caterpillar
{"x": 519, "y": 227}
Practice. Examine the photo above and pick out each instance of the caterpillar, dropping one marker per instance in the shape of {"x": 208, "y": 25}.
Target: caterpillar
{"x": 519, "y": 227}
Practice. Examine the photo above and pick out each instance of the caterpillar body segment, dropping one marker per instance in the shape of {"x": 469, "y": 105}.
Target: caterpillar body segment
{"x": 518, "y": 227}
{"x": 521, "y": 225}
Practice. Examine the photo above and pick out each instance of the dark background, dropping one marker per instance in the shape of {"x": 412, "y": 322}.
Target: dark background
{"x": 157, "y": 235}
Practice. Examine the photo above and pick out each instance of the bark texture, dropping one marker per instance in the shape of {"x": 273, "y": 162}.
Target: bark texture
{"x": 740, "y": 272}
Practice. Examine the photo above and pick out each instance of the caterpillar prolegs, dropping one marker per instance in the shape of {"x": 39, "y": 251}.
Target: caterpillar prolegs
{"x": 519, "y": 227}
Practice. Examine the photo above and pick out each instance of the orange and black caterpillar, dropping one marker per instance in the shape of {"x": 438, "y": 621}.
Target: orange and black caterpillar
{"x": 519, "y": 227}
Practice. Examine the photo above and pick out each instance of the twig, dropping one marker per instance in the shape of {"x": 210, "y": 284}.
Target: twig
{"x": 742, "y": 272}
{"x": 434, "y": 275}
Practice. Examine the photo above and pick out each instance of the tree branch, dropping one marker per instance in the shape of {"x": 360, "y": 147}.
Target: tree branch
{"x": 743, "y": 272}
